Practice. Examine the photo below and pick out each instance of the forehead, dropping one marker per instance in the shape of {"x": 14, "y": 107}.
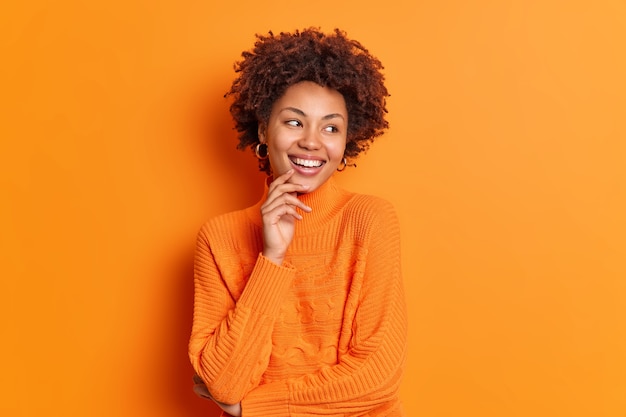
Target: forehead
{"x": 311, "y": 98}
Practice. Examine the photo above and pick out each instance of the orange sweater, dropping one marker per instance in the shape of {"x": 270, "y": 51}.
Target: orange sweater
{"x": 323, "y": 334}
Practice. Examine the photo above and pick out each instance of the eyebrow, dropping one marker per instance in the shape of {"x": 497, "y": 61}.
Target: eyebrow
{"x": 303, "y": 114}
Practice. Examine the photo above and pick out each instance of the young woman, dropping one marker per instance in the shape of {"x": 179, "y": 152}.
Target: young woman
{"x": 299, "y": 306}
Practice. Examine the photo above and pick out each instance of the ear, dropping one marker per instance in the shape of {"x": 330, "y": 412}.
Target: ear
{"x": 261, "y": 132}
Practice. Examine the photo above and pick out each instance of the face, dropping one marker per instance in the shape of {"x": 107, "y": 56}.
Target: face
{"x": 306, "y": 132}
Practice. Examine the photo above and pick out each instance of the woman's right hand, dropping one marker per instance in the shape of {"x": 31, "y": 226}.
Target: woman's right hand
{"x": 279, "y": 215}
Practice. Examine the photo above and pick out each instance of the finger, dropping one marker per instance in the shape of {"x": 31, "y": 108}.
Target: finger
{"x": 284, "y": 180}
{"x": 233, "y": 410}
{"x": 286, "y": 188}
{"x": 284, "y": 199}
{"x": 274, "y": 215}
{"x": 202, "y": 391}
{"x": 275, "y": 212}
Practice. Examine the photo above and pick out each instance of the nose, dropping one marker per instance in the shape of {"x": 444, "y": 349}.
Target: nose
{"x": 310, "y": 140}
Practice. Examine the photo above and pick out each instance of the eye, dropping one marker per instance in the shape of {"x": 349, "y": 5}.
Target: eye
{"x": 294, "y": 123}
{"x": 331, "y": 129}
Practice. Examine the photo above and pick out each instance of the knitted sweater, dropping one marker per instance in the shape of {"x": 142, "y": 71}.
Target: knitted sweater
{"x": 322, "y": 334}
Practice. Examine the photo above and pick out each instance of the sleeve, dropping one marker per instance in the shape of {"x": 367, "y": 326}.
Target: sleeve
{"x": 366, "y": 380}
{"x": 220, "y": 347}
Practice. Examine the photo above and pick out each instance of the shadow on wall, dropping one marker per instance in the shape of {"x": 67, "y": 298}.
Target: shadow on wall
{"x": 233, "y": 177}
{"x": 178, "y": 375}
{"x": 214, "y": 139}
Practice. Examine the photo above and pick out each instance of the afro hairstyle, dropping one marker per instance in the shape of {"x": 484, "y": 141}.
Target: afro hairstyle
{"x": 330, "y": 60}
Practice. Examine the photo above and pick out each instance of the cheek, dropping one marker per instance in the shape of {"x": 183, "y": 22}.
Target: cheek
{"x": 336, "y": 150}
{"x": 280, "y": 141}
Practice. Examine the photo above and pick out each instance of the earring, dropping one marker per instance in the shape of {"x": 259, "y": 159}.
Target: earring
{"x": 261, "y": 151}
{"x": 343, "y": 165}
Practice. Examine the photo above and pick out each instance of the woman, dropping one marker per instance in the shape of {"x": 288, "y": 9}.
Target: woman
{"x": 299, "y": 307}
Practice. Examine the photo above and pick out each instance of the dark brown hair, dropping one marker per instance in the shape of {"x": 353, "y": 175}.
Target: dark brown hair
{"x": 331, "y": 60}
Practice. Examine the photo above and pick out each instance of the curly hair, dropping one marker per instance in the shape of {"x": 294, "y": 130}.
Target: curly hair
{"x": 331, "y": 60}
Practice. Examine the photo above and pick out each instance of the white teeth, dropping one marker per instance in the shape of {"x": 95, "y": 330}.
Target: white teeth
{"x": 310, "y": 163}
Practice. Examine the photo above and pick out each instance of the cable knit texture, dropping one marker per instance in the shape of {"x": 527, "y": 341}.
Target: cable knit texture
{"x": 324, "y": 334}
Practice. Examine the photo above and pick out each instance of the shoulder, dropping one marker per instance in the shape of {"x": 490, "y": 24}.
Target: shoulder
{"x": 370, "y": 215}
{"x": 368, "y": 208}
{"x": 229, "y": 227}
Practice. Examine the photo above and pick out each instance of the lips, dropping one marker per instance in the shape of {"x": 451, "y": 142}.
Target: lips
{"x": 306, "y": 162}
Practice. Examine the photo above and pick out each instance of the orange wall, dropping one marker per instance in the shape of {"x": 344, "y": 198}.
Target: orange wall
{"x": 506, "y": 161}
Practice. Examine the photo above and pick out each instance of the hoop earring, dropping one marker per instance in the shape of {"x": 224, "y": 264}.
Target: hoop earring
{"x": 343, "y": 165}
{"x": 261, "y": 151}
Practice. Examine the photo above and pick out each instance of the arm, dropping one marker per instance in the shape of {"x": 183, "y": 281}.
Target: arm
{"x": 230, "y": 340}
{"x": 368, "y": 376}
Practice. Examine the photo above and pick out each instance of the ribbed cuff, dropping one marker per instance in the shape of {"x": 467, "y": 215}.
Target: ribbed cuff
{"x": 266, "y": 286}
{"x": 267, "y": 400}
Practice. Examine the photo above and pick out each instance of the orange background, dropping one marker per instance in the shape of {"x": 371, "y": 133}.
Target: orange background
{"x": 505, "y": 159}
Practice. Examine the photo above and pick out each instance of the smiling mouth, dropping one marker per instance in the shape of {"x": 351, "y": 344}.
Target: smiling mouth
{"x": 307, "y": 163}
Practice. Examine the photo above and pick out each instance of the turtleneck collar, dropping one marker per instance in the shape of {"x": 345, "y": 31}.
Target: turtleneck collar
{"x": 325, "y": 201}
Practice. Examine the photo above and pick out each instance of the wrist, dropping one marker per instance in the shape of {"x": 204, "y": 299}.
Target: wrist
{"x": 274, "y": 257}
